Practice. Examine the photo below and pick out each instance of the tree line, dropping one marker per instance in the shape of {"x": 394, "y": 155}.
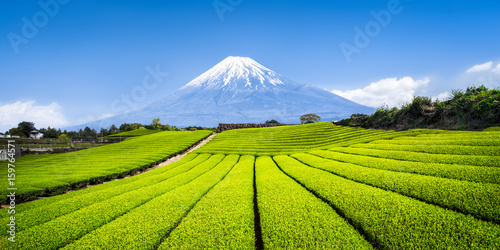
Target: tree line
{"x": 24, "y": 128}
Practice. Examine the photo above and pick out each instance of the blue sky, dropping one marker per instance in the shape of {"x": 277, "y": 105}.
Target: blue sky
{"x": 85, "y": 55}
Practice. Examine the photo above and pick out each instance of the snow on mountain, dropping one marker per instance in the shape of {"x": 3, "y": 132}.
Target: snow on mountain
{"x": 239, "y": 90}
{"x": 238, "y": 72}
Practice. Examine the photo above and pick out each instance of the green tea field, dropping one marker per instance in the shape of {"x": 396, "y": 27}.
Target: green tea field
{"x": 40, "y": 175}
{"x": 314, "y": 186}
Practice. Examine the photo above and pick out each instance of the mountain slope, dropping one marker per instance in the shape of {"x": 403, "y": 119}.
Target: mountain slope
{"x": 240, "y": 90}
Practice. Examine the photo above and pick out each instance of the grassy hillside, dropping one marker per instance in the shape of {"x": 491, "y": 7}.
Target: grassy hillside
{"x": 311, "y": 186}
{"x": 476, "y": 108}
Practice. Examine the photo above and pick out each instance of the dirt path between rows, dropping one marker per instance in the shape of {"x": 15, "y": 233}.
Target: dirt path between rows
{"x": 169, "y": 160}
{"x": 178, "y": 157}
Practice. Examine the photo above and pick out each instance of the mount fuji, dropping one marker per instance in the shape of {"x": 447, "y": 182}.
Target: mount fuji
{"x": 239, "y": 90}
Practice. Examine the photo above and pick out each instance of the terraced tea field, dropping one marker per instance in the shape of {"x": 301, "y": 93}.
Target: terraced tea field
{"x": 313, "y": 186}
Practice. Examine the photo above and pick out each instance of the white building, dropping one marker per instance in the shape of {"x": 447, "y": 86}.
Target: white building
{"x": 35, "y": 134}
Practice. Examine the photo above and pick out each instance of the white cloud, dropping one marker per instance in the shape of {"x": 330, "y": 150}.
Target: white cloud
{"x": 497, "y": 69}
{"x": 104, "y": 116}
{"x": 91, "y": 118}
{"x": 389, "y": 91}
{"x": 43, "y": 116}
{"x": 442, "y": 96}
{"x": 480, "y": 67}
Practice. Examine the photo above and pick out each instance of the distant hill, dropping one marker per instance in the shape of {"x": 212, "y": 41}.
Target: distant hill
{"x": 476, "y": 108}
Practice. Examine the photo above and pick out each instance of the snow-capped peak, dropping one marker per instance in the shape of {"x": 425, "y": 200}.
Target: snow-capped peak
{"x": 238, "y": 72}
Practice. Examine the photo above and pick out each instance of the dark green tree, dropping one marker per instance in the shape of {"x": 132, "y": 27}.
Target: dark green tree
{"x": 72, "y": 134}
{"x": 166, "y": 127}
{"x": 272, "y": 121}
{"x": 126, "y": 127}
{"x": 50, "y": 133}
{"x": 310, "y": 118}
{"x": 87, "y": 132}
{"x": 15, "y": 131}
{"x": 136, "y": 125}
{"x": 25, "y": 128}
{"x": 103, "y": 132}
{"x": 113, "y": 129}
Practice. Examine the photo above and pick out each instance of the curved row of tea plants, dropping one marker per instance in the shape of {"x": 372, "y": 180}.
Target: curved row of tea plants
{"x": 478, "y": 174}
{"x": 156, "y": 218}
{"x": 406, "y": 140}
{"x": 478, "y": 199}
{"x": 224, "y": 218}
{"x": 390, "y": 220}
{"x": 293, "y": 218}
{"x": 436, "y": 149}
{"x": 473, "y": 160}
